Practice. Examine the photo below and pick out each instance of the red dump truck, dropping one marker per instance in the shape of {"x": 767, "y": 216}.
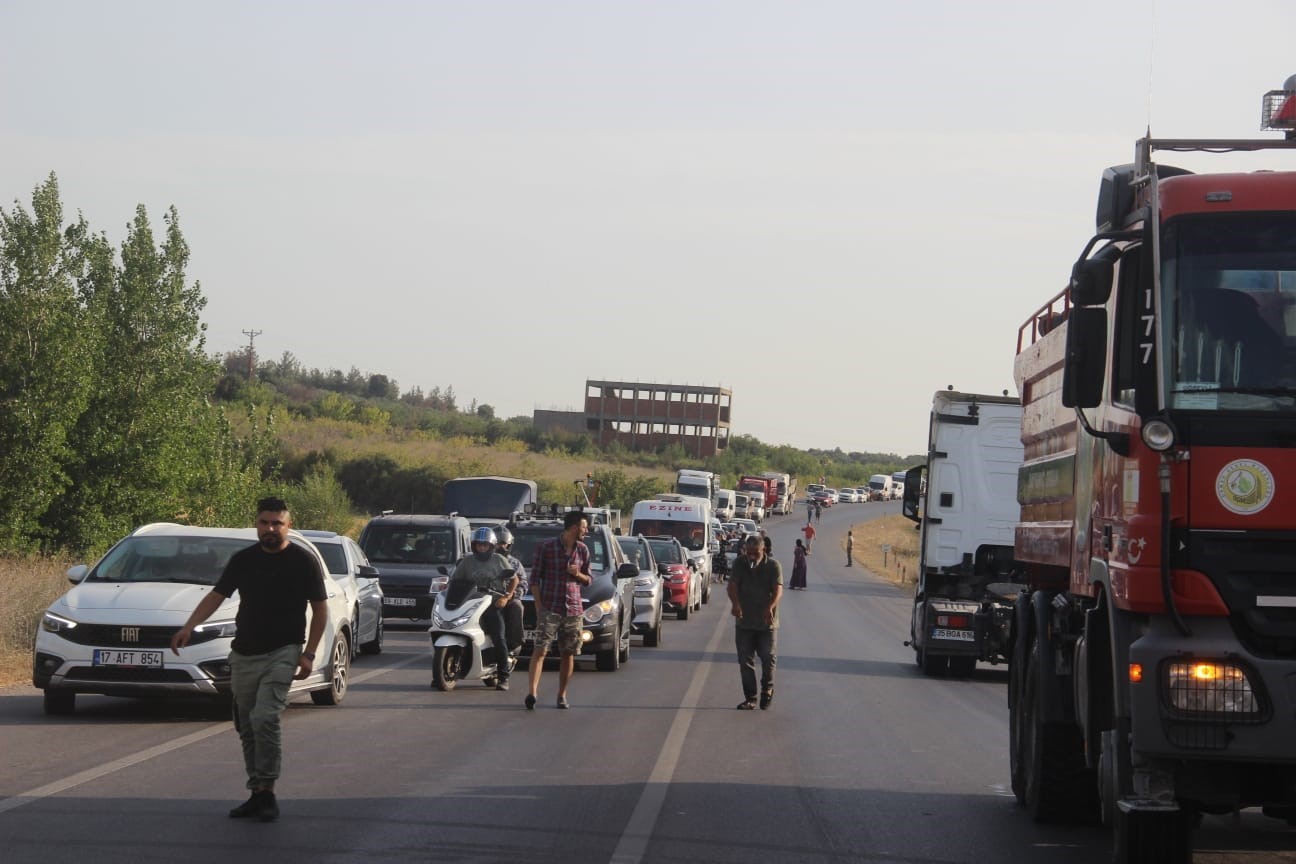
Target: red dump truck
{"x": 766, "y": 487}
{"x": 1153, "y": 654}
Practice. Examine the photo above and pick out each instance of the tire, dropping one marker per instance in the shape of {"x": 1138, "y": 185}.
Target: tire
{"x": 1143, "y": 837}
{"x": 1016, "y": 772}
{"x": 706, "y": 590}
{"x": 355, "y": 628}
{"x": 445, "y": 667}
{"x": 376, "y": 646}
{"x": 60, "y": 703}
{"x": 609, "y": 660}
{"x": 624, "y": 655}
{"x": 341, "y": 665}
{"x": 684, "y": 610}
{"x": 1057, "y": 786}
{"x": 652, "y": 638}
{"x": 933, "y": 665}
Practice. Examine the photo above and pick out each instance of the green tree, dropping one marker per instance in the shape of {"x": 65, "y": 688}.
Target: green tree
{"x": 46, "y": 351}
{"x": 145, "y": 439}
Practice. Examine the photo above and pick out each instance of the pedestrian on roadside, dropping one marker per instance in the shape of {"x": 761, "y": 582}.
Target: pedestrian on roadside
{"x": 798, "y": 567}
{"x": 809, "y": 510}
{"x": 562, "y": 566}
{"x": 276, "y": 579}
{"x": 818, "y": 510}
{"x": 769, "y": 545}
{"x": 809, "y": 532}
{"x": 755, "y": 589}
{"x": 850, "y": 547}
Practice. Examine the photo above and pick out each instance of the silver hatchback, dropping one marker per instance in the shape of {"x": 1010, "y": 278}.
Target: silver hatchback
{"x": 647, "y": 589}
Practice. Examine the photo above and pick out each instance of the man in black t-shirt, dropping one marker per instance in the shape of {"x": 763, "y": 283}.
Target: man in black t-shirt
{"x": 275, "y": 579}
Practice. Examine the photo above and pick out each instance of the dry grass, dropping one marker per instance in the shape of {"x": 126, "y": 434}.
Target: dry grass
{"x": 28, "y": 586}
{"x": 899, "y": 562}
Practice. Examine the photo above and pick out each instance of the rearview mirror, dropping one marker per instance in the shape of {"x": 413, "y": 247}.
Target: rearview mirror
{"x": 627, "y": 571}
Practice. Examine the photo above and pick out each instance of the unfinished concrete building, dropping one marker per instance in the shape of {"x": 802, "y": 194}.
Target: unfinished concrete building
{"x": 649, "y": 416}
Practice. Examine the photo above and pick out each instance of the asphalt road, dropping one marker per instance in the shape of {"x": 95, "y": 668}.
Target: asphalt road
{"x": 860, "y": 759}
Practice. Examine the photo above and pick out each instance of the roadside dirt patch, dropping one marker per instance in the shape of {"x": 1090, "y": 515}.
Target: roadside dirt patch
{"x": 888, "y": 547}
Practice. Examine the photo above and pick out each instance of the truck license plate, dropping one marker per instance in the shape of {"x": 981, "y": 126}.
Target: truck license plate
{"x": 139, "y": 659}
{"x": 955, "y": 635}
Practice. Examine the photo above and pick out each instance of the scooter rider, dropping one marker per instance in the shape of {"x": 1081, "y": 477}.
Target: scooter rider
{"x": 490, "y": 571}
{"x": 513, "y": 611}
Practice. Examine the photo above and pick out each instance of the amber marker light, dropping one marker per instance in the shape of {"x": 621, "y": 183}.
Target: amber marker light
{"x": 1135, "y": 673}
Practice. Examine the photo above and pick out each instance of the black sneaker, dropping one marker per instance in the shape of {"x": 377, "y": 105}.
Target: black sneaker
{"x": 502, "y": 684}
{"x": 248, "y": 808}
{"x": 269, "y": 810}
{"x": 766, "y": 698}
{"x": 746, "y": 705}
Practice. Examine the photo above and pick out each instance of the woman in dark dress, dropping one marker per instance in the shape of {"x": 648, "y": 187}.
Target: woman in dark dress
{"x": 798, "y": 567}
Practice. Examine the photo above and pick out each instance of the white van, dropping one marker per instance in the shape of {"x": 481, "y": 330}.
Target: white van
{"x": 686, "y": 519}
{"x": 880, "y": 487}
{"x": 725, "y": 508}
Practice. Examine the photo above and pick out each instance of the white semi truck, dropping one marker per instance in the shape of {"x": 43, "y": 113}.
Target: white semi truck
{"x": 967, "y": 577}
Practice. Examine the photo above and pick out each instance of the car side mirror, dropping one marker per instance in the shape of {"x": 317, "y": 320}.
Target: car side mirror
{"x": 76, "y": 574}
{"x": 627, "y": 571}
{"x": 366, "y": 571}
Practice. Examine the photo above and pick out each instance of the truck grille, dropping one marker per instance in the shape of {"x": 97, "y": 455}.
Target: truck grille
{"x": 1244, "y": 567}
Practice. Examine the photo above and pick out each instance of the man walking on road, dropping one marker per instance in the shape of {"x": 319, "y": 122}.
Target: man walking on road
{"x": 755, "y": 588}
{"x": 850, "y": 547}
{"x": 562, "y": 566}
{"x": 276, "y": 579}
{"x": 809, "y": 532}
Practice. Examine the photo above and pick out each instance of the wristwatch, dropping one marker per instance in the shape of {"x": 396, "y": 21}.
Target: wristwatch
{"x": 309, "y": 655}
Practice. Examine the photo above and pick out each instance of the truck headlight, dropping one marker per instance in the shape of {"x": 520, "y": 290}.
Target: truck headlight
{"x": 1210, "y": 687}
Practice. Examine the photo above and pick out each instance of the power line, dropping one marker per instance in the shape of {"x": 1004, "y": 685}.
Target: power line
{"x": 252, "y": 334}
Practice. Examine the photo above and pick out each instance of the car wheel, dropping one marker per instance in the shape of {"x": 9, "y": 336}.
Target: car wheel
{"x": 652, "y": 638}
{"x": 684, "y": 610}
{"x": 609, "y": 660}
{"x": 625, "y": 648}
{"x": 355, "y": 628}
{"x": 445, "y": 667}
{"x": 706, "y": 591}
{"x": 336, "y": 691}
{"x": 376, "y": 646}
{"x": 60, "y": 702}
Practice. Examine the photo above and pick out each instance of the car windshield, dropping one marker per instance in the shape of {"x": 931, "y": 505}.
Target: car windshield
{"x": 416, "y": 544}
{"x": 525, "y": 543}
{"x": 195, "y": 560}
{"x": 666, "y": 552}
{"x": 691, "y": 534}
{"x": 632, "y": 549}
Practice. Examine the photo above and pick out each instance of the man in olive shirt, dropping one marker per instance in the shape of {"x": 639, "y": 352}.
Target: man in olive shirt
{"x": 755, "y": 588}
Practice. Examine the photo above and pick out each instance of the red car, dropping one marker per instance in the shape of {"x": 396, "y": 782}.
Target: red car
{"x": 823, "y": 499}
{"x": 682, "y": 588}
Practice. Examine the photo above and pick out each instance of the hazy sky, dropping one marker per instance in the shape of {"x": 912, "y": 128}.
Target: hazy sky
{"x": 833, "y": 208}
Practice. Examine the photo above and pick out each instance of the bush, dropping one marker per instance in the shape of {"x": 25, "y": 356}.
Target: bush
{"x": 319, "y": 502}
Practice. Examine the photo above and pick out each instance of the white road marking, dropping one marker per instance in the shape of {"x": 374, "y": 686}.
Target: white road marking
{"x": 83, "y": 777}
{"x": 633, "y": 844}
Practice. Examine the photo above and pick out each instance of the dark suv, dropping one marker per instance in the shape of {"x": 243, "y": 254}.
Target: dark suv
{"x": 608, "y": 600}
{"x": 410, "y": 552}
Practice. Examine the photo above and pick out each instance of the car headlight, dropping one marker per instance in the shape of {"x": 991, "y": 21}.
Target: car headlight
{"x": 1210, "y": 687}
{"x": 596, "y": 611}
{"x": 215, "y": 630}
{"x": 52, "y": 623}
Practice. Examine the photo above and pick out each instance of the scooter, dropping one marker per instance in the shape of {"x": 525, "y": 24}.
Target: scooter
{"x": 460, "y": 647}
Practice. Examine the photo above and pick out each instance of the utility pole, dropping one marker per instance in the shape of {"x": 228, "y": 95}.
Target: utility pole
{"x": 252, "y": 334}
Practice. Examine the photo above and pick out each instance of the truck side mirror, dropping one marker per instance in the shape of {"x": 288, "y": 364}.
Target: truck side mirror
{"x": 1091, "y": 278}
{"x": 912, "y": 489}
{"x": 1084, "y": 367}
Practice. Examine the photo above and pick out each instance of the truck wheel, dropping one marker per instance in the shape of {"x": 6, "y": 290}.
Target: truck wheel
{"x": 1156, "y": 837}
{"x": 1057, "y": 784}
{"x": 962, "y": 667}
{"x": 1016, "y": 772}
{"x": 933, "y": 665}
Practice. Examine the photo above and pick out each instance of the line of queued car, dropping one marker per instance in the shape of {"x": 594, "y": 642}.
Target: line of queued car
{"x": 110, "y": 633}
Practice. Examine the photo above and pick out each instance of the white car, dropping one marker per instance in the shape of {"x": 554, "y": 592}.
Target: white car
{"x": 847, "y": 496}
{"x": 111, "y": 633}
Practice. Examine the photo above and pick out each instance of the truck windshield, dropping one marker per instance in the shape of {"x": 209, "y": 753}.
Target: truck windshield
{"x": 487, "y": 497}
{"x": 693, "y": 490}
{"x": 1230, "y": 313}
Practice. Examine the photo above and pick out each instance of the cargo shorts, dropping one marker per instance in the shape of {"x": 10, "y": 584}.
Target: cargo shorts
{"x": 565, "y": 628}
